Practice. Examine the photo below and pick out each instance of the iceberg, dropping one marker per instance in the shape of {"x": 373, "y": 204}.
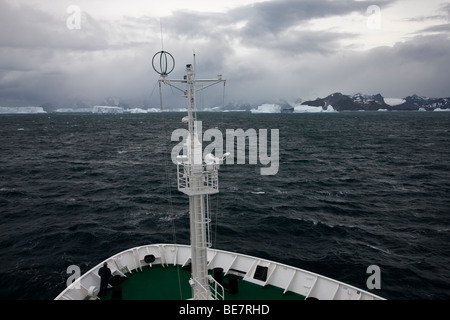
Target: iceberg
{"x": 72, "y": 110}
{"x": 440, "y": 109}
{"x": 173, "y": 110}
{"x": 329, "y": 109}
{"x": 107, "y": 109}
{"x": 21, "y": 110}
{"x": 394, "y": 101}
{"x": 267, "y": 108}
{"x": 312, "y": 109}
{"x": 136, "y": 110}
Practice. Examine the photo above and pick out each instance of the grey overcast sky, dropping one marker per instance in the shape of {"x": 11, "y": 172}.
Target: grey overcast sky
{"x": 266, "y": 50}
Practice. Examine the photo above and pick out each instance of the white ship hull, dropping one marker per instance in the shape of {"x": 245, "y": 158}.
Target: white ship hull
{"x": 288, "y": 278}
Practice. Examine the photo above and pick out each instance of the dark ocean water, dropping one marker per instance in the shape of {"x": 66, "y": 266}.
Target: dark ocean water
{"x": 353, "y": 190}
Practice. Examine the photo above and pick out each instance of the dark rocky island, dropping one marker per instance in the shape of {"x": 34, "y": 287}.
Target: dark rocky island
{"x": 341, "y": 102}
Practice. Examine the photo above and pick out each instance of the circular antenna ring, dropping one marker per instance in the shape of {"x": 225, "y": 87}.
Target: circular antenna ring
{"x": 166, "y": 63}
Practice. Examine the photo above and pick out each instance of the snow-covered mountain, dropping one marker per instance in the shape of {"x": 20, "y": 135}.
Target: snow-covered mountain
{"x": 341, "y": 102}
{"x": 332, "y": 103}
{"x": 415, "y": 102}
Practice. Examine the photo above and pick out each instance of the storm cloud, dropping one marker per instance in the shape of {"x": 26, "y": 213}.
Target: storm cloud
{"x": 279, "y": 49}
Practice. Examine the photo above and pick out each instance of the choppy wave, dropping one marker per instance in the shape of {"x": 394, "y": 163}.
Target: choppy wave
{"x": 353, "y": 190}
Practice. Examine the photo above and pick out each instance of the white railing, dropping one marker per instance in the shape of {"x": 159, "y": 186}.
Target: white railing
{"x": 283, "y": 276}
{"x": 214, "y": 292}
{"x": 204, "y": 223}
{"x": 216, "y": 288}
{"x": 198, "y": 179}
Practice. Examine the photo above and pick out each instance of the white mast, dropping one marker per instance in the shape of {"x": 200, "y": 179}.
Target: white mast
{"x": 197, "y": 179}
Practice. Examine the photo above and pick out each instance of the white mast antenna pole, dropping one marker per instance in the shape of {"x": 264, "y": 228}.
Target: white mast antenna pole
{"x": 162, "y": 41}
{"x": 202, "y": 181}
{"x": 197, "y": 201}
{"x": 198, "y": 180}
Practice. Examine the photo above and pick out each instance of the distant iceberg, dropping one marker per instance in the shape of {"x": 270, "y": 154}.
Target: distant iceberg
{"x": 312, "y": 109}
{"x": 136, "y": 110}
{"x": 172, "y": 110}
{"x": 394, "y": 101}
{"x": 440, "y": 109}
{"x": 76, "y": 110}
{"x": 107, "y": 109}
{"x": 267, "y": 108}
{"x": 21, "y": 110}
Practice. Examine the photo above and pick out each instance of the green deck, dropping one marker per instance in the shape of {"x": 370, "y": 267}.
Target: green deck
{"x": 171, "y": 283}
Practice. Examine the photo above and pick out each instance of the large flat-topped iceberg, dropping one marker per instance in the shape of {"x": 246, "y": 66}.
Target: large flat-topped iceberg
{"x": 305, "y": 109}
{"x": 107, "y": 109}
{"x": 76, "y": 110}
{"x": 394, "y": 101}
{"x": 21, "y": 110}
{"x": 267, "y": 108}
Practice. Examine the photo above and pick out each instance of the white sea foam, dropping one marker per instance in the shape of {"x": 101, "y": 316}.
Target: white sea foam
{"x": 378, "y": 249}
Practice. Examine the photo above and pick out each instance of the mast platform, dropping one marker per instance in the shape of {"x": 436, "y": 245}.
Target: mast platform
{"x": 194, "y": 179}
